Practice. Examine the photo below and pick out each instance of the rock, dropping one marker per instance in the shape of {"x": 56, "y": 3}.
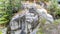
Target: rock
{"x": 15, "y": 17}
{"x": 25, "y": 4}
{"x": 13, "y": 25}
{"x": 29, "y": 17}
{"x": 31, "y": 20}
{"x": 22, "y": 32}
{"x": 3, "y": 30}
{"x": 43, "y": 13}
{"x": 34, "y": 32}
{"x": 50, "y": 18}
{"x": 15, "y": 32}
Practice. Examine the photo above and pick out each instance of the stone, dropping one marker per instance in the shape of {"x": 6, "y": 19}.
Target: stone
{"x": 13, "y": 25}
{"x": 43, "y": 13}
{"x": 50, "y": 18}
{"x": 15, "y": 32}
{"x": 29, "y": 17}
{"x": 3, "y": 30}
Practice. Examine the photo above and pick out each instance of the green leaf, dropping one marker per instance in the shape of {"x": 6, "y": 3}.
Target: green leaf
{"x": 4, "y": 22}
{"x": 2, "y": 19}
{"x": 1, "y": 12}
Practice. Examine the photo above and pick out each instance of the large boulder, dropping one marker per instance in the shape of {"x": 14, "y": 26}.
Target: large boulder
{"x": 50, "y": 18}
{"x": 43, "y": 13}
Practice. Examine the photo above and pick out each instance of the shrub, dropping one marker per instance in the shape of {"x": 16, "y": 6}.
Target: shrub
{"x": 54, "y": 9}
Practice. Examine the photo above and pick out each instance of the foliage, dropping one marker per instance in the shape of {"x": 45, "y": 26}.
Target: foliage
{"x": 57, "y": 21}
{"x": 45, "y": 0}
{"x": 42, "y": 20}
{"x": 6, "y": 9}
{"x": 48, "y": 27}
{"x": 53, "y": 5}
{"x": 58, "y": 11}
{"x": 40, "y": 31}
{"x": 54, "y": 8}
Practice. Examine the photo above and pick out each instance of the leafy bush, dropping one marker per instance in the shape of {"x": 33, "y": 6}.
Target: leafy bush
{"x": 54, "y": 9}
{"x": 3, "y": 13}
{"x": 42, "y": 20}
{"x": 6, "y": 9}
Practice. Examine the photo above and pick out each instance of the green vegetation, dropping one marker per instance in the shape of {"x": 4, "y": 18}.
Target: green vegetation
{"x": 54, "y": 8}
{"x": 45, "y": 0}
{"x": 40, "y": 31}
{"x": 44, "y": 27}
{"x": 3, "y": 12}
{"x": 6, "y": 11}
{"x": 57, "y": 21}
{"x": 42, "y": 21}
